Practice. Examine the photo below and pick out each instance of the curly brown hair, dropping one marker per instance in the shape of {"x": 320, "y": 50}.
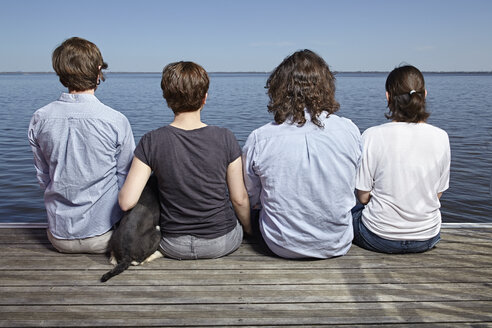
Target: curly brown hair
{"x": 184, "y": 86}
{"x": 78, "y": 63}
{"x": 302, "y": 81}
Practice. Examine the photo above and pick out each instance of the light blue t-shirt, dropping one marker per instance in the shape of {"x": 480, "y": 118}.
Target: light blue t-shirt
{"x": 82, "y": 153}
{"x": 303, "y": 178}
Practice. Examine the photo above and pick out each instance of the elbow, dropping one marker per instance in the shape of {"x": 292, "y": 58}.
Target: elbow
{"x": 363, "y": 196}
{"x": 124, "y": 203}
{"x": 241, "y": 202}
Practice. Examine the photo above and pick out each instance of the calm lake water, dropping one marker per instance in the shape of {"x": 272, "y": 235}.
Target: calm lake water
{"x": 459, "y": 104}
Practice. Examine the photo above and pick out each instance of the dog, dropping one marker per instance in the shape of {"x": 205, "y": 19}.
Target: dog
{"x": 136, "y": 238}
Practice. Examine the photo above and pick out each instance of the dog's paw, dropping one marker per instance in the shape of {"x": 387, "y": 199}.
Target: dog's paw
{"x": 152, "y": 257}
{"x": 112, "y": 260}
{"x": 135, "y": 263}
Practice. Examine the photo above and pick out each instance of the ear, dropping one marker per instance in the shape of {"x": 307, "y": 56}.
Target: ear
{"x": 425, "y": 93}
{"x": 387, "y": 96}
{"x": 205, "y": 99}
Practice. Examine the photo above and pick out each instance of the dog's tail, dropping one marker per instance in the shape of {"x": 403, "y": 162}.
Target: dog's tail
{"x": 119, "y": 268}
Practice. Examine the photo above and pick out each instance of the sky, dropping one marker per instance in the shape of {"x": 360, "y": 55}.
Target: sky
{"x": 252, "y": 35}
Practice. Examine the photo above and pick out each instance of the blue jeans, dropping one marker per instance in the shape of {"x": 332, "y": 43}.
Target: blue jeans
{"x": 367, "y": 239}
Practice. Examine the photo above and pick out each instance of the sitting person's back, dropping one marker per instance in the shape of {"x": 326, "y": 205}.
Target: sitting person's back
{"x": 404, "y": 170}
{"x": 82, "y": 150}
{"x": 191, "y": 167}
{"x": 300, "y": 169}
{"x": 198, "y": 169}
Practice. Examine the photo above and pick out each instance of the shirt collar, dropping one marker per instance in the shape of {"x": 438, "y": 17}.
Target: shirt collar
{"x": 78, "y": 98}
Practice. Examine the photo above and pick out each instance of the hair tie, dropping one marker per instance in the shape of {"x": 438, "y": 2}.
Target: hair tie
{"x": 412, "y": 92}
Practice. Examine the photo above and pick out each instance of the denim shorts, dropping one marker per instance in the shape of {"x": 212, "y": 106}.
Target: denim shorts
{"x": 367, "y": 239}
{"x": 189, "y": 247}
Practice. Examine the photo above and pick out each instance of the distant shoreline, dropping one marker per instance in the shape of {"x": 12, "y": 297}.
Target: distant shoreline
{"x": 245, "y": 73}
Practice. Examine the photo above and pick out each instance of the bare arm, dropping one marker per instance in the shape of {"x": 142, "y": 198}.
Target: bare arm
{"x": 237, "y": 193}
{"x": 363, "y": 196}
{"x": 134, "y": 184}
{"x": 439, "y": 195}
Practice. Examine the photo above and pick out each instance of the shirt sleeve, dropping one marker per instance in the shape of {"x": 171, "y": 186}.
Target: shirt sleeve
{"x": 233, "y": 146}
{"x": 251, "y": 179}
{"x": 125, "y": 156}
{"x": 40, "y": 163}
{"x": 142, "y": 152}
{"x": 364, "y": 180}
{"x": 445, "y": 168}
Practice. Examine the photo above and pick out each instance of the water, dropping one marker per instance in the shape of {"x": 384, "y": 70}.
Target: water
{"x": 459, "y": 104}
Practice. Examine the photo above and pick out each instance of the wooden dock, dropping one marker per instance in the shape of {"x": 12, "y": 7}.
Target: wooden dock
{"x": 448, "y": 286}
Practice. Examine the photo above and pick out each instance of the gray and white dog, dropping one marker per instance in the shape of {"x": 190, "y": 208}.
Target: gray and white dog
{"x": 136, "y": 239}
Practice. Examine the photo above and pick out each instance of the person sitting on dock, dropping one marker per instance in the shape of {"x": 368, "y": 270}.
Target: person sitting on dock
{"x": 300, "y": 170}
{"x": 82, "y": 153}
{"x": 403, "y": 173}
{"x": 198, "y": 169}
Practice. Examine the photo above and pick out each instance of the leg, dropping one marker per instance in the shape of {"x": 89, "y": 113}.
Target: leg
{"x": 220, "y": 246}
{"x": 192, "y": 248}
{"x": 91, "y": 245}
{"x": 255, "y": 225}
{"x": 157, "y": 254}
{"x": 366, "y": 239}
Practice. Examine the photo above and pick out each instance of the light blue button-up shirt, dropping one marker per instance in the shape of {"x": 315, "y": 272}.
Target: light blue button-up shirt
{"x": 304, "y": 179}
{"x": 82, "y": 153}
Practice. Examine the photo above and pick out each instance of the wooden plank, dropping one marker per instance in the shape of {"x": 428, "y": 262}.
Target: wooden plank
{"x": 249, "y": 249}
{"x": 249, "y": 294}
{"x": 410, "y": 261}
{"x": 250, "y": 314}
{"x": 139, "y": 277}
{"x": 448, "y": 286}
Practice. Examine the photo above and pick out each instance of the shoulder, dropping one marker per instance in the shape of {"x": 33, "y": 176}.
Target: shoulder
{"x": 112, "y": 114}
{"x": 266, "y": 131}
{"x": 269, "y": 130}
{"x": 46, "y": 110}
{"x": 218, "y": 130}
{"x": 43, "y": 114}
{"x": 227, "y": 137}
{"x": 157, "y": 133}
{"x": 378, "y": 129}
{"x": 436, "y": 130}
{"x": 342, "y": 122}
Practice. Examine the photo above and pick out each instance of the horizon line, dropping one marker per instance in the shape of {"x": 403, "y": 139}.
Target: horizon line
{"x": 249, "y": 72}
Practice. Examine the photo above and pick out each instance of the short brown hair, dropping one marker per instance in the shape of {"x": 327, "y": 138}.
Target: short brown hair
{"x": 184, "y": 86}
{"x": 78, "y": 63}
{"x": 406, "y": 95}
{"x": 302, "y": 81}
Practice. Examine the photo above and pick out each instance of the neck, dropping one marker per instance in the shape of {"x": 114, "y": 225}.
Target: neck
{"x": 90, "y": 92}
{"x": 188, "y": 120}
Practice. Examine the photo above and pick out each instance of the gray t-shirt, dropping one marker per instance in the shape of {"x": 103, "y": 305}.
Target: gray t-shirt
{"x": 191, "y": 167}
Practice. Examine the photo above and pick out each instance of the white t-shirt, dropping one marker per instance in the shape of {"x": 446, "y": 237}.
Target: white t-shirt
{"x": 404, "y": 166}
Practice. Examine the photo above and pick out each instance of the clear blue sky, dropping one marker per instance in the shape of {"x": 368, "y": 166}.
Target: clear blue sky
{"x": 252, "y": 35}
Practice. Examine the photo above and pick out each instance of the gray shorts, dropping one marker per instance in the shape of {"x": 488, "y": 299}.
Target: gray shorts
{"x": 93, "y": 245}
{"x": 192, "y": 248}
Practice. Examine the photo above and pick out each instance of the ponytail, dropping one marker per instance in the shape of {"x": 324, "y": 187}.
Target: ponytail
{"x": 406, "y": 95}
